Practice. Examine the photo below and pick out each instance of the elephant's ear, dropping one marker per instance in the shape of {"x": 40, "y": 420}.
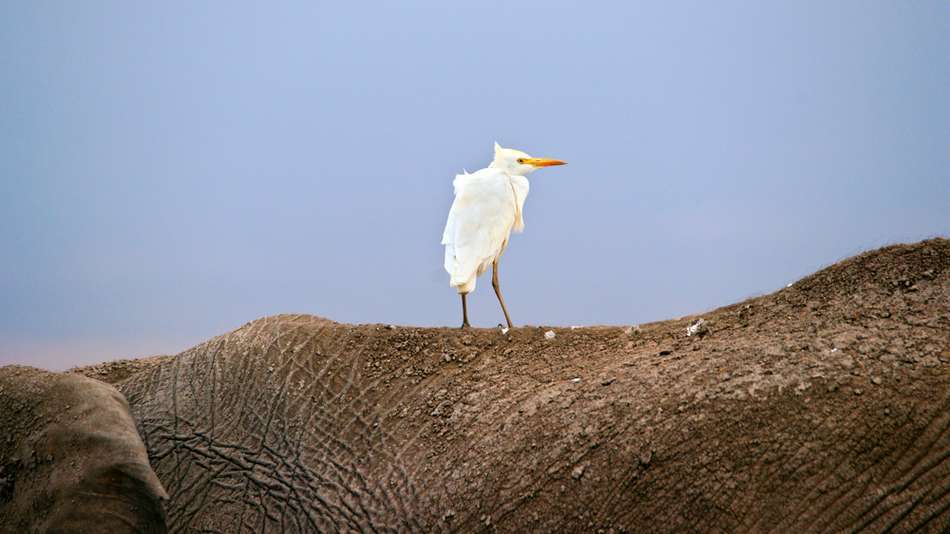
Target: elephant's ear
{"x": 74, "y": 461}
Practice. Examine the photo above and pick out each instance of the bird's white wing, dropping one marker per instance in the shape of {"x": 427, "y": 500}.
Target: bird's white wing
{"x": 520, "y": 186}
{"x": 479, "y": 222}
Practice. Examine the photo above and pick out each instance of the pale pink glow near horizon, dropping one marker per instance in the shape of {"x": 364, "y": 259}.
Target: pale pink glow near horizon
{"x": 62, "y": 355}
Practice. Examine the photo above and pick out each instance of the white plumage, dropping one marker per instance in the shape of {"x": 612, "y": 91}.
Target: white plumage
{"x": 488, "y": 206}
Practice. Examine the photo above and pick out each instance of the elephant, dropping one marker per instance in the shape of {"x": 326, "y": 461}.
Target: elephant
{"x": 824, "y": 406}
{"x": 71, "y": 459}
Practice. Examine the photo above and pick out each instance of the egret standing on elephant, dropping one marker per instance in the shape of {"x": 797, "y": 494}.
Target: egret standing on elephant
{"x": 488, "y": 206}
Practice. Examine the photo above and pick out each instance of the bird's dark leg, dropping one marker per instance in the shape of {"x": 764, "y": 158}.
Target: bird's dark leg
{"x": 494, "y": 284}
{"x": 464, "y": 312}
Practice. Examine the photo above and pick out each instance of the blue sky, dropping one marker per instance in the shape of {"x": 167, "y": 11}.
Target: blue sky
{"x": 171, "y": 170}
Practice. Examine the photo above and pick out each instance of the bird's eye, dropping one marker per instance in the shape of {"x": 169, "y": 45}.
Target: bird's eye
{"x": 520, "y": 160}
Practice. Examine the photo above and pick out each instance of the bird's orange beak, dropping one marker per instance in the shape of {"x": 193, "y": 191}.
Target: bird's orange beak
{"x": 543, "y": 162}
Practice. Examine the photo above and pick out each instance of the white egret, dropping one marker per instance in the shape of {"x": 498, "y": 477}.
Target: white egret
{"x": 488, "y": 206}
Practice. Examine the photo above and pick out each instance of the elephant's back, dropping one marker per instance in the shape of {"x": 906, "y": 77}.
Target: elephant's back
{"x": 821, "y": 407}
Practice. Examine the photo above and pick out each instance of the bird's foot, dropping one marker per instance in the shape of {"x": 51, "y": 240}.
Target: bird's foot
{"x": 465, "y": 326}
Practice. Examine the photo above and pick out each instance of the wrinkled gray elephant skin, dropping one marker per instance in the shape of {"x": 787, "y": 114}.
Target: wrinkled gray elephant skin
{"x": 822, "y": 407}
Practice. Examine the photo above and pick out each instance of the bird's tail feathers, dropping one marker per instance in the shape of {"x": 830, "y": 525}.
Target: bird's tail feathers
{"x": 463, "y": 285}
{"x": 462, "y": 275}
